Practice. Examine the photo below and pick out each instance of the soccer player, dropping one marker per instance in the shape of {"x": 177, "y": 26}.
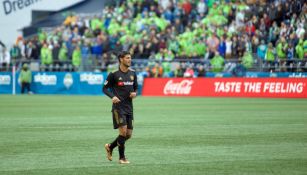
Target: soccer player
{"x": 121, "y": 86}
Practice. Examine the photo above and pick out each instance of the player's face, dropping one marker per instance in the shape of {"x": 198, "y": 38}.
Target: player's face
{"x": 126, "y": 60}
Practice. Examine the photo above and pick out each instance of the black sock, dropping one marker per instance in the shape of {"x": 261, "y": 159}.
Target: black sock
{"x": 114, "y": 144}
{"x": 121, "y": 146}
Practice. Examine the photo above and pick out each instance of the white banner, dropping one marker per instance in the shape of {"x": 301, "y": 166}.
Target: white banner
{"x": 16, "y": 14}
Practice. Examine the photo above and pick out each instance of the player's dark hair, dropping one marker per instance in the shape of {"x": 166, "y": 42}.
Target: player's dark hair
{"x": 122, "y": 54}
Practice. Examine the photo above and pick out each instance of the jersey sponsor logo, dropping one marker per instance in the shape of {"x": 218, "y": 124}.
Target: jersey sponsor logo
{"x": 5, "y": 80}
{"x": 45, "y": 79}
{"x": 125, "y": 83}
{"x": 120, "y": 83}
{"x": 128, "y": 83}
{"x": 181, "y": 88}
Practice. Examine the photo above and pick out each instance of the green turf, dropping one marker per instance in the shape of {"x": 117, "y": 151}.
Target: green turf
{"x": 65, "y": 135}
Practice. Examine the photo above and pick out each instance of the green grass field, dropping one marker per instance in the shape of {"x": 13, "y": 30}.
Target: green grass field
{"x": 65, "y": 135}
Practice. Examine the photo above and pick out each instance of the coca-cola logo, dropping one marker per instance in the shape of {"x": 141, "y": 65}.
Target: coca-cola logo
{"x": 181, "y": 88}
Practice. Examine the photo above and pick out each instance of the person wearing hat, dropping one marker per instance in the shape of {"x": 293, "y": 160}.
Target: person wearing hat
{"x": 25, "y": 78}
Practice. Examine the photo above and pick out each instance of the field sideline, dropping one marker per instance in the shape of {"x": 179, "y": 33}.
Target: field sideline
{"x": 54, "y": 135}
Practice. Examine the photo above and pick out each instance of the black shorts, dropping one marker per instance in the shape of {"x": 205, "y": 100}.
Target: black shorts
{"x": 122, "y": 119}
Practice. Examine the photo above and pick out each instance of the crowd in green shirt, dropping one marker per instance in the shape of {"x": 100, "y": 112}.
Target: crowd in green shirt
{"x": 149, "y": 30}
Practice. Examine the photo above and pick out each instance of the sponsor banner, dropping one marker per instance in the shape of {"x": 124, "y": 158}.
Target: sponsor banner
{"x": 87, "y": 83}
{"x": 92, "y": 82}
{"x": 5, "y": 83}
{"x": 227, "y": 87}
{"x": 277, "y": 74}
{"x": 54, "y": 83}
{"x": 261, "y": 74}
{"x": 212, "y": 74}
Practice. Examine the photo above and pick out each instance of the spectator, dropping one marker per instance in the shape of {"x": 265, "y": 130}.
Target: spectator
{"x": 201, "y": 71}
{"x": 202, "y": 7}
{"x": 166, "y": 66}
{"x": 299, "y": 50}
{"x": 15, "y": 54}
{"x": 46, "y": 57}
{"x": 228, "y": 48}
{"x": 261, "y": 50}
{"x": 213, "y": 42}
{"x": 217, "y": 63}
{"x": 281, "y": 50}
{"x": 222, "y": 47}
{"x": 300, "y": 31}
{"x": 270, "y": 57}
{"x": 178, "y": 71}
{"x": 250, "y": 29}
{"x": 55, "y": 52}
{"x": 189, "y": 72}
{"x": 156, "y": 71}
{"x": 247, "y": 60}
{"x": 76, "y": 58}
{"x": 182, "y": 27}
{"x": 25, "y": 79}
{"x": 63, "y": 54}
{"x": 31, "y": 51}
{"x": 5, "y": 59}
{"x": 290, "y": 58}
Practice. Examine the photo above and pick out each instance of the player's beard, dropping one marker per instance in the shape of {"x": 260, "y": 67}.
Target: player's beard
{"x": 127, "y": 65}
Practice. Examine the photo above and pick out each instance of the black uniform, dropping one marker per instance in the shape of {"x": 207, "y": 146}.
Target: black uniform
{"x": 121, "y": 84}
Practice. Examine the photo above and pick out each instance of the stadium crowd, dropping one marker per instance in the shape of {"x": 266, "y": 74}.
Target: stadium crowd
{"x": 167, "y": 36}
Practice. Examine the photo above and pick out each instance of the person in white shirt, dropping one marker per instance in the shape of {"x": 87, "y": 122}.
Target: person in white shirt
{"x": 5, "y": 59}
{"x": 228, "y": 48}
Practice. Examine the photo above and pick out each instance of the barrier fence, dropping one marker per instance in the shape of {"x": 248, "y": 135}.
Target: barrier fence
{"x": 259, "y": 84}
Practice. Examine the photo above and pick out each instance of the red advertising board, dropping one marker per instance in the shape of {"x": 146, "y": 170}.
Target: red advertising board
{"x": 226, "y": 87}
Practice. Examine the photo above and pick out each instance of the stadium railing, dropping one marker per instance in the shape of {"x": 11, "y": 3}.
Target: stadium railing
{"x": 98, "y": 63}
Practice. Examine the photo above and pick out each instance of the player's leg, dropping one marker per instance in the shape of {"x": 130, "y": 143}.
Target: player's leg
{"x": 120, "y": 122}
{"x": 129, "y": 134}
{"x": 116, "y": 124}
{"x": 121, "y": 144}
{"x": 129, "y": 127}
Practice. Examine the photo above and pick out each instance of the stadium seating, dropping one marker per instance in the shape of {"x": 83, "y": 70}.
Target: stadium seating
{"x": 149, "y": 30}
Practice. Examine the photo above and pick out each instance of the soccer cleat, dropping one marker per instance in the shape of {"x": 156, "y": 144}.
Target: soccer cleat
{"x": 123, "y": 161}
{"x": 108, "y": 151}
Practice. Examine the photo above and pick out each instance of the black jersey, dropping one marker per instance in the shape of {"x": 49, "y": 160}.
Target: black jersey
{"x": 121, "y": 84}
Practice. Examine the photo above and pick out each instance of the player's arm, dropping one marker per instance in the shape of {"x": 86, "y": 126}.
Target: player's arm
{"x": 107, "y": 84}
{"x": 135, "y": 87}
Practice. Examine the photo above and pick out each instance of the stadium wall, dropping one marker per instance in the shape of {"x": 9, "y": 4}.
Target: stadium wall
{"x": 292, "y": 85}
